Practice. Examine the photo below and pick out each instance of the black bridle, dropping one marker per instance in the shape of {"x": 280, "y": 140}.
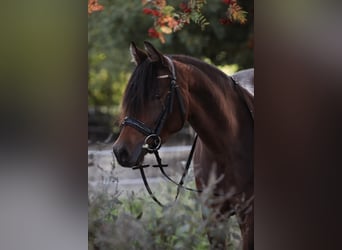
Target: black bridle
{"x": 152, "y": 141}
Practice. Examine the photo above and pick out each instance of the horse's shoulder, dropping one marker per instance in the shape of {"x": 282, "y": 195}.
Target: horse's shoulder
{"x": 245, "y": 79}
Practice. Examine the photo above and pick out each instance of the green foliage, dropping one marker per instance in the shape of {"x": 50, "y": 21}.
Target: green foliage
{"x": 168, "y": 10}
{"x": 196, "y": 15}
{"x": 136, "y": 222}
{"x": 109, "y": 34}
{"x": 199, "y": 19}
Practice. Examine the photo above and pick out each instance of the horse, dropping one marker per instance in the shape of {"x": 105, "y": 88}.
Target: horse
{"x": 163, "y": 93}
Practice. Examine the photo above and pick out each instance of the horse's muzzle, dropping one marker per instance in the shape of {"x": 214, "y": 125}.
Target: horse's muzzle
{"x": 122, "y": 156}
{"x": 126, "y": 158}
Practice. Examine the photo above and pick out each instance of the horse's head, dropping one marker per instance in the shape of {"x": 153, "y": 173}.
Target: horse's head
{"x": 152, "y": 106}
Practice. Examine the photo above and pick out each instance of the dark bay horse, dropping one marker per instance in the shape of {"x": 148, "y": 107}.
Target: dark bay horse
{"x": 166, "y": 91}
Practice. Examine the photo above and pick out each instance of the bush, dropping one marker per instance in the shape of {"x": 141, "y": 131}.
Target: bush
{"x": 133, "y": 221}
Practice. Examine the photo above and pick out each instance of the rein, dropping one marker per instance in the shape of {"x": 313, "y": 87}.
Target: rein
{"x": 161, "y": 167}
{"x": 152, "y": 142}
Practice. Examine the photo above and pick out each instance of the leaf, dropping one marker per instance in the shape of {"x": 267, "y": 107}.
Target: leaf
{"x": 235, "y": 13}
{"x": 167, "y": 10}
{"x": 161, "y": 38}
{"x": 199, "y": 19}
{"x": 166, "y": 29}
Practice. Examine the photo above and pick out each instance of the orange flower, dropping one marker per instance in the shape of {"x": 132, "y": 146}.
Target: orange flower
{"x": 172, "y": 23}
{"x": 93, "y": 5}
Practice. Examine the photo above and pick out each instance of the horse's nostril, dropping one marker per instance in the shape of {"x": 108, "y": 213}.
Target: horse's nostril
{"x": 121, "y": 155}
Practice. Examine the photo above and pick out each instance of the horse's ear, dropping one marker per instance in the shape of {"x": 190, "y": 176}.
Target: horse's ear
{"x": 138, "y": 55}
{"x": 153, "y": 53}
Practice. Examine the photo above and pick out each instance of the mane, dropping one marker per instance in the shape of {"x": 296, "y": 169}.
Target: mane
{"x": 143, "y": 84}
{"x": 139, "y": 88}
{"x": 216, "y": 75}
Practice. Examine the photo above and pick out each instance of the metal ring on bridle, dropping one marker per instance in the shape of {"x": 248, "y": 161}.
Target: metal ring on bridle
{"x": 154, "y": 145}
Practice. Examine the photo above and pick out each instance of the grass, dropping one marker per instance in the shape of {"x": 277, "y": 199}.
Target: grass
{"x": 128, "y": 220}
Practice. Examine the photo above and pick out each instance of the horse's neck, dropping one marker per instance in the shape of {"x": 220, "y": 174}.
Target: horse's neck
{"x": 213, "y": 110}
